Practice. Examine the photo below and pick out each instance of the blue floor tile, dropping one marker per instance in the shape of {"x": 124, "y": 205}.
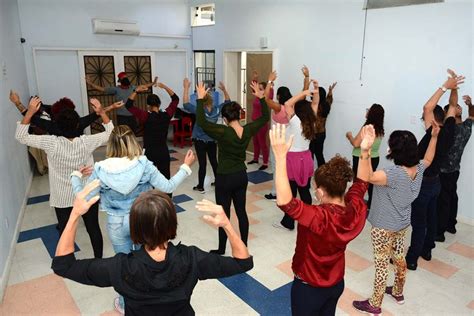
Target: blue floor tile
{"x": 48, "y": 234}
{"x": 38, "y": 199}
{"x": 181, "y": 198}
{"x": 259, "y": 176}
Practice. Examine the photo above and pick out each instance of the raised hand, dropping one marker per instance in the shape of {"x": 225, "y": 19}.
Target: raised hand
{"x": 216, "y": 217}
{"x": 221, "y": 86}
{"x": 34, "y": 105}
{"x": 189, "y": 158}
{"x": 81, "y": 205}
{"x": 96, "y": 105}
{"x": 349, "y": 135}
{"x": 332, "y": 86}
{"x": 14, "y": 97}
{"x": 201, "y": 90}
{"x": 305, "y": 71}
{"x": 451, "y": 73}
{"x": 272, "y": 76}
{"x": 368, "y": 137}
{"x": 256, "y": 90}
{"x": 278, "y": 141}
{"x": 435, "y": 129}
{"x": 467, "y": 100}
{"x": 186, "y": 83}
{"x": 117, "y": 104}
{"x": 142, "y": 88}
{"x": 454, "y": 82}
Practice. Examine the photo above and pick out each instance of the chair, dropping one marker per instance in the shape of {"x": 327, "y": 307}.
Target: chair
{"x": 183, "y": 132}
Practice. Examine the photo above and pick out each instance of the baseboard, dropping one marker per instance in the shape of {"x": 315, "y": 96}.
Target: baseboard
{"x": 466, "y": 220}
{"x": 6, "y": 272}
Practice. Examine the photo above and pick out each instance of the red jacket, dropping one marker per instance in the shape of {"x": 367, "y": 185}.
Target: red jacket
{"x": 323, "y": 233}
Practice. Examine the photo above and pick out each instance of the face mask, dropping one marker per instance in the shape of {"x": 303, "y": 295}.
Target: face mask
{"x": 125, "y": 82}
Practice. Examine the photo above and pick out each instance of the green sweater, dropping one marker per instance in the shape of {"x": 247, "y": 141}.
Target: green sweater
{"x": 232, "y": 149}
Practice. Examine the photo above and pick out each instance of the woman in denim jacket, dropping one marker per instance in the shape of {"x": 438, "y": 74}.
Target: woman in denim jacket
{"x": 123, "y": 176}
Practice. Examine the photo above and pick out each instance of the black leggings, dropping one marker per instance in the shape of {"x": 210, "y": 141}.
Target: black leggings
{"x": 355, "y": 165}
{"x": 162, "y": 162}
{"x": 317, "y": 147}
{"x": 203, "y": 148}
{"x": 232, "y": 188}
{"x": 309, "y": 300}
{"x": 305, "y": 196}
{"x": 91, "y": 220}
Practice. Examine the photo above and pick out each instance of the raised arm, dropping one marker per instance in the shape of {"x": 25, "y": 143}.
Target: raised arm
{"x": 171, "y": 109}
{"x": 254, "y": 127}
{"x": 186, "y": 86}
{"x": 330, "y": 95}
{"x": 214, "y": 130}
{"x": 224, "y": 90}
{"x": 306, "y": 80}
{"x": 355, "y": 141}
{"x": 15, "y": 99}
{"x": 290, "y": 104}
{"x": 158, "y": 180}
{"x": 275, "y": 106}
{"x": 428, "y": 108}
{"x": 431, "y": 150}
{"x": 140, "y": 114}
{"x": 470, "y": 107}
{"x": 151, "y": 84}
{"x": 99, "y": 139}
{"x": 93, "y": 85}
{"x": 280, "y": 149}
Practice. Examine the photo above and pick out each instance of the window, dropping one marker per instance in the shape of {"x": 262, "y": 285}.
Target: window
{"x": 204, "y": 67}
{"x": 203, "y": 15}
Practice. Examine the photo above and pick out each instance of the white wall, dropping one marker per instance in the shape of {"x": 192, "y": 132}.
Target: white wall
{"x": 67, "y": 24}
{"x": 15, "y": 172}
{"x": 407, "y": 52}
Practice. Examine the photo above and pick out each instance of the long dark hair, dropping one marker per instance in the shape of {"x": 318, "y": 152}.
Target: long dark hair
{"x": 375, "y": 116}
{"x": 323, "y": 107}
{"x": 283, "y": 95}
{"x": 305, "y": 113}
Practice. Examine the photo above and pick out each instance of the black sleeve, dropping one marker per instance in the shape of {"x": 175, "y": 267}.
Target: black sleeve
{"x": 96, "y": 272}
{"x": 214, "y": 266}
{"x": 86, "y": 121}
{"x": 129, "y": 103}
{"x": 45, "y": 125}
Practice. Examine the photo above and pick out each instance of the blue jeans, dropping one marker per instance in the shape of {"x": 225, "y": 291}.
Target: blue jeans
{"x": 424, "y": 219}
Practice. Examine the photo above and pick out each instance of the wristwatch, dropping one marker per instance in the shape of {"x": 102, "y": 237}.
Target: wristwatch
{"x": 443, "y": 88}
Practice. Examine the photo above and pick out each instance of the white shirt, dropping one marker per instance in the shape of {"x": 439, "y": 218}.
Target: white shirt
{"x": 64, "y": 157}
{"x": 300, "y": 143}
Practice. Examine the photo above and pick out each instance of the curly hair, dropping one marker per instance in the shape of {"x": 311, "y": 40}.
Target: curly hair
{"x": 403, "y": 148}
{"x": 305, "y": 113}
{"x": 334, "y": 175}
{"x": 68, "y": 122}
{"x": 375, "y": 116}
{"x": 61, "y": 104}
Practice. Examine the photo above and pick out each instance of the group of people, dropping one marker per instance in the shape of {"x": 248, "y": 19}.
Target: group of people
{"x": 134, "y": 184}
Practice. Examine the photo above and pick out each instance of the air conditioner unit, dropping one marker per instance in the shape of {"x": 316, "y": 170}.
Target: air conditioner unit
{"x": 101, "y": 26}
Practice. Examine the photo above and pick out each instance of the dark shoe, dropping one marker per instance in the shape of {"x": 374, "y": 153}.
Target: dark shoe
{"x": 217, "y": 251}
{"x": 199, "y": 189}
{"x": 400, "y": 299}
{"x": 412, "y": 266}
{"x": 280, "y": 226}
{"x": 365, "y": 307}
{"x": 263, "y": 167}
{"x": 251, "y": 162}
{"x": 451, "y": 230}
{"x": 426, "y": 256}
{"x": 270, "y": 197}
{"x": 440, "y": 238}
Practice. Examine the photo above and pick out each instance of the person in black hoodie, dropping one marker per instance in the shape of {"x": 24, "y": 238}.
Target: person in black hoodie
{"x": 159, "y": 278}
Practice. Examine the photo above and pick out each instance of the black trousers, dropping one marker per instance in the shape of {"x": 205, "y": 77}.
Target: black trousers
{"x": 309, "y": 300}
{"x": 130, "y": 121}
{"x": 317, "y": 147}
{"x": 305, "y": 196}
{"x": 203, "y": 148}
{"x": 91, "y": 220}
{"x": 161, "y": 160}
{"x": 232, "y": 188}
{"x": 448, "y": 202}
{"x": 375, "y": 164}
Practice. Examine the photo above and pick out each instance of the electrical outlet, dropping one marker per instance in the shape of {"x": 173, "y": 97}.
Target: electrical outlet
{"x": 6, "y": 223}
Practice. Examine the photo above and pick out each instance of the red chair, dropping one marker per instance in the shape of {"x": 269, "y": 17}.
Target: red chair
{"x": 183, "y": 132}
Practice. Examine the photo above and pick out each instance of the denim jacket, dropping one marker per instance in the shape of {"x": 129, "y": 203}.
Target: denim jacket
{"x": 122, "y": 180}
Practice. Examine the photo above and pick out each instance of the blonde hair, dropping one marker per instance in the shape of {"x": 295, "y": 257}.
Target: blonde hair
{"x": 208, "y": 101}
{"x": 123, "y": 143}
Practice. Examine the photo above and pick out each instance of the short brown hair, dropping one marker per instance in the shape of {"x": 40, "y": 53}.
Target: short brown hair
{"x": 334, "y": 175}
{"x": 153, "y": 219}
{"x": 123, "y": 143}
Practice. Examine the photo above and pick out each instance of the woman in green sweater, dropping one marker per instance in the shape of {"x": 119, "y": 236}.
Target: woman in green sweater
{"x": 232, "y": 140}
{"x": 374, "y": 116}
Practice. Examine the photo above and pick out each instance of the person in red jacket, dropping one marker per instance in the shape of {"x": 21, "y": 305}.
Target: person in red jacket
{"x": 324, "y": 230}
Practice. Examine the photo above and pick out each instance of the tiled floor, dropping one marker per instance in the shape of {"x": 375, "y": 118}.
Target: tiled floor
{"x": 442, "y": 286}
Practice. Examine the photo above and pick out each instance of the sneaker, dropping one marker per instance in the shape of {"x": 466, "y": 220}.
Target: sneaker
{"x": 400, "y": 299}
{"x": 117, "y": 306}
{"x": 280, "y": 226}
{"x": 199, "y": 189}
{"x": 365, "y": 307}
{"x": 251, "y": 162}
{"x": 263, "y": 167}
{"x": 270, "y": 197}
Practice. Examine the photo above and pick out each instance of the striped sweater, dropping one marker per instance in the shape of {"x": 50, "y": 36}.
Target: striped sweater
{"x": 64, "y": 157}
